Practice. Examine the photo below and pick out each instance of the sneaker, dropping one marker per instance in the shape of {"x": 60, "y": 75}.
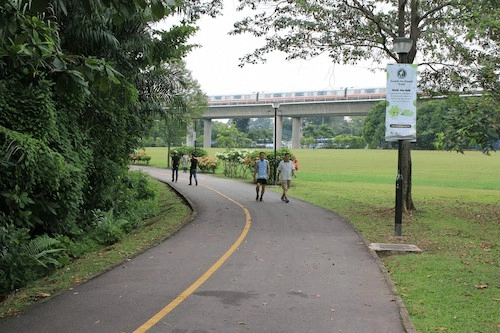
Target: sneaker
{"x": 260, "y": 198}
{"x": 282, "y": 198}
{"x": 286, "y": 200}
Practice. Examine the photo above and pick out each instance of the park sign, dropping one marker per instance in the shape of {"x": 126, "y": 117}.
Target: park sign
{"x": 401, "y": 103}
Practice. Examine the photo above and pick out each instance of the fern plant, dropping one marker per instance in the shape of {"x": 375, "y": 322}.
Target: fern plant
{"x": 109, "y": 229}
{"x": 42, "y": 250}
{"x": 23, "y": 260}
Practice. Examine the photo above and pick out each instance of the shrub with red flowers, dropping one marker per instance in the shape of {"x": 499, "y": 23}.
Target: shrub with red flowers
{"x": 207, "y": 164}
{"x": 140, "y": 157}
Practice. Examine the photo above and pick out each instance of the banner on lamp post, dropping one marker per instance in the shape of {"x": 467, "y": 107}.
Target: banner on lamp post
{"x": 401, "y": 107}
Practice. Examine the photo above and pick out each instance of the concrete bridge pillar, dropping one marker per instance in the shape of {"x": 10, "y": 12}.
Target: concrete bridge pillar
{"x": 296, "y": 130}
{"x": 279, "y": 131}
{"x": 207, "y": 133}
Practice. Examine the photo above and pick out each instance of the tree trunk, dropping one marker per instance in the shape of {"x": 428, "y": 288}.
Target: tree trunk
{"x": 406, "y": 173}
{"x": 168, "y": 155}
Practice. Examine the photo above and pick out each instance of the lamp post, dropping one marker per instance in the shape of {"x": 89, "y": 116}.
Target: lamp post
{"x": 402, "y": 46}
{"x": 276, "y": 106}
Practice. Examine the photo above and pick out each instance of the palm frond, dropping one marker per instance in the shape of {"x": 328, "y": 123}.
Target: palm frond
{"x": 7, "y": 151}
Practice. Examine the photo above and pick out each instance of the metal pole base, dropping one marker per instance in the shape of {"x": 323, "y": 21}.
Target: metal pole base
{"x": 398, "y": 229}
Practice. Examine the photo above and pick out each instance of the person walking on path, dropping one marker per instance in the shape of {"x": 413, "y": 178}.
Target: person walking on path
{"x": 192, "y": 170}
{"x": 261, "y": 175}
{"x": 286, "y": 169}
{"x": 175, "y": 166}
{"x": 185, "y": 161}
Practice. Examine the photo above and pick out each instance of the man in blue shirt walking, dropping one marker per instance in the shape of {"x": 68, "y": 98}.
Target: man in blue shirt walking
{"x": 261, "y": 175}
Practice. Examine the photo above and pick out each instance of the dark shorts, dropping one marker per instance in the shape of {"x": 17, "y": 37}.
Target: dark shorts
{"x": 262, "y": 181}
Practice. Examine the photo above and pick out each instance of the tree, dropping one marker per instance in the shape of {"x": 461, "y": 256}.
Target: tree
{"x": 241, "y": 124}
{"x": 230, "y": 137}
{"x": 348, "y": 141}
{"x": 451, "y": 52}
{"x": 374, "y": 128}
{"x": 430, "y": 122}
{"x": 260, "y": 123}
{"x": 453, "y": 123}
{"x": 173, "y": 97}
{"x": 217, "y": 127}
{"x": 307, "y": 141}
{"x": 470, "y": 122}
{"x": 261, "y": 135}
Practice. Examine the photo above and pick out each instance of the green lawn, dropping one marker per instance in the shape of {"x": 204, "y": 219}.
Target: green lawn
{"x": 454, "y": 285}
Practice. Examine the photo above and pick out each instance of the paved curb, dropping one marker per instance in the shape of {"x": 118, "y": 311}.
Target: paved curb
{"x": 403, "y": 312}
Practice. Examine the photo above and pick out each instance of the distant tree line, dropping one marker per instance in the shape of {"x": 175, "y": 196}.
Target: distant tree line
{"x": 452, "y": 123}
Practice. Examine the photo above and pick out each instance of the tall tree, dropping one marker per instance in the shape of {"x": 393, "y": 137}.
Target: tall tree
{"x": 241, "y": 124}
{"x": 374, "y": 128}
{"x": 471, "y": 122}
{"x": 450, "y": 35}
{"x": 230, "y": 137}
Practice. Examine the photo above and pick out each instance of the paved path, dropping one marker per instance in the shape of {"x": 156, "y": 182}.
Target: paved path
{"x": 239, "y": 266}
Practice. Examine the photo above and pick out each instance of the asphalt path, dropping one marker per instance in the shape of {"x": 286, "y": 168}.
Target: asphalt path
{"x": 239, "y": 266}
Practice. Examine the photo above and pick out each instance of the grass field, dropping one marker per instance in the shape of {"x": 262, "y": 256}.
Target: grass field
{"x": 454, "y": 285}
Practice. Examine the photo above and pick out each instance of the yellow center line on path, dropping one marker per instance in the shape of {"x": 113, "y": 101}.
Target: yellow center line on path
{"x": 179, "y": 299}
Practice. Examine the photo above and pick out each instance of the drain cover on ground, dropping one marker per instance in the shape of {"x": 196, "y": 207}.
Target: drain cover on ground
{"x": 394, "y": 247}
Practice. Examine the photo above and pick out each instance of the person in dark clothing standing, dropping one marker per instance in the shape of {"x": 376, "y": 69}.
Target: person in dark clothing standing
{"x": 175, "y": 166}
{"x": 192, "y": 170}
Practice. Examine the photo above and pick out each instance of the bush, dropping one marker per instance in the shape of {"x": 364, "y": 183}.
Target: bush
{"x": 348, "y": 142}
{"x": 41, "y": 190}
{"x": 140, "y": 157}
{"x": 23, "y": 260}
{"x": 207, "y": 164}
{"x": 136, "y": 199}
{"x": 108, "y": 229}
{"x": 199, "y": 152}
{"x": 237, "y": 163}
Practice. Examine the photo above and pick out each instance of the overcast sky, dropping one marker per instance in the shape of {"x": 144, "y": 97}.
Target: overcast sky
{"x": 215, "y": 64}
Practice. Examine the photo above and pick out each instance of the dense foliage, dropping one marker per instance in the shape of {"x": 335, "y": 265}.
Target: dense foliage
{"x": 80, "y": 82}
{"x": 454, "y": 42}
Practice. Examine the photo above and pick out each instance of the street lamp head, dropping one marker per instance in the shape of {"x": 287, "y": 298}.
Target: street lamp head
{"x": 276, "y": 105}
{"x": 402, "y": 45}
